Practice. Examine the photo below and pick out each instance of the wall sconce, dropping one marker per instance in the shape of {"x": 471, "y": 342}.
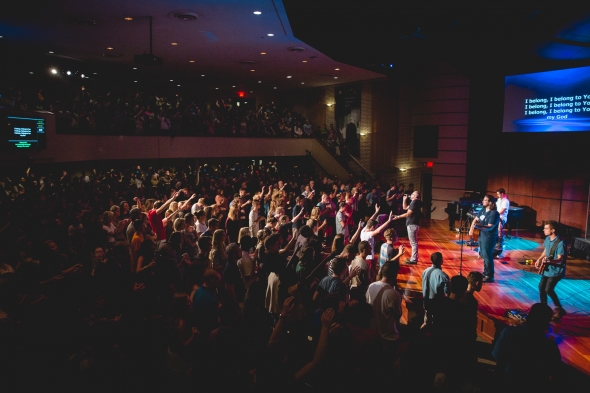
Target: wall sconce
{"x": 363, "y": 134}
{"x": 403, "y": 169}
{"x": 330, "y": 105}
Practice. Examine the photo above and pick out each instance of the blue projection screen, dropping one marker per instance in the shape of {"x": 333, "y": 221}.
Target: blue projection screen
{"x": 551, "y": 101}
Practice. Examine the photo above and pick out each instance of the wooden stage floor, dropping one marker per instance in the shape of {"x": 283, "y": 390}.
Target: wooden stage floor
{"x": 515, "y": 286}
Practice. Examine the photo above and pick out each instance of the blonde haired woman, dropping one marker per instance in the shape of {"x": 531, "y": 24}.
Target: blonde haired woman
{"x": 218, "y": 255}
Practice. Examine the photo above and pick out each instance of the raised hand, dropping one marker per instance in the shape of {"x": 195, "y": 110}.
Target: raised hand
{"x": 327, "y": 318}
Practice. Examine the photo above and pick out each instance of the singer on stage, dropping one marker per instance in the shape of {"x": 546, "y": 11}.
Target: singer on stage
{"x": 487, "y": 222}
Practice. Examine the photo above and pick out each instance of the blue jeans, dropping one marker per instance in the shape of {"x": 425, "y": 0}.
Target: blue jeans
{"x": 486, "y": 250}
{"x": 413, "y": 237}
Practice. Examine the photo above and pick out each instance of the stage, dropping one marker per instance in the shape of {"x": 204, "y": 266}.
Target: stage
{"x": 515, "y": 286}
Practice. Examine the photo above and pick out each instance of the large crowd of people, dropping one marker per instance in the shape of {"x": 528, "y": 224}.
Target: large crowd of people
{"x": 93, "y": 109}
{"x": 250, "y": 277}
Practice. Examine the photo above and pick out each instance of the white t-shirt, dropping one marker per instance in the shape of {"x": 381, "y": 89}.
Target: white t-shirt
{"x": 503, "y": 203}
{"x": 360, "y": 262}
{"x": 387, "y": 311}
{"x": 366, "y": 236}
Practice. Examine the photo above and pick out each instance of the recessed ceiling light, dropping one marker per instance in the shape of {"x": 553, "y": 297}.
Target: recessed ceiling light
{"x": 288, "y": 76}
{"x": 31, "y": 72}
{"x": 1, "y": 36}
{"x": 275, "y": 87}
{"x": 94, "y": 73}
{"x": 202, "y": 75}
{"x": 263, "y": 53}
{"x": 171, "y": 80}
{"x": 178, "y": 85}
{"x": 191, "y": 61}
{"x": 217, "y": 88}
{"x": 53, "y": 71}
{"x": 109, "y": 48}
{"x": 233, "y": 86}
{"x": 252, "y": 70}
{"x": 50, "y": 52}
{"x": 257, "y": 12}
{"x": 174, "y": 43}
{"x": 128, "y": 18}
{"x": 304, "y": 61}
{"x": 82, "y": 76}
{"x": 134, "y": 81}
{"x": 335, "y": 77}
{"x": 302, "y": 83}
{"x": 134, "y": 68}
{"x": 270, "y": 35}
{"x": 337, "y": 69}
{"x": 259, "y": 81}
{"x": 68, "y": 72}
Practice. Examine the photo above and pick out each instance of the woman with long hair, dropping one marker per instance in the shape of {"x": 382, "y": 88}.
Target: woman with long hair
{"x": 218, "y": 254}
{"x": 232, "y": 224}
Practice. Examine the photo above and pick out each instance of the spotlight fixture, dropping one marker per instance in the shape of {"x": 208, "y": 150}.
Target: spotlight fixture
{"x": 174, "y": 43}
{"x": 302, "y": 83}
{"x": 1, "y": 36}
{"x": 233, "y": 86}
{"x": 128, "y": 18}
{"x": 171, "y": 80}
{"x": 252, "y": 70}
{"x": 191, "y": 61}
{"x": 109, "y": 48}
{"x": 288, "y": 76}
{"x": 336, "y": 69}
{"x": 82, "y": 76}
{"x": 50, "y": 52}
{"x": 202, "y": 75}
{"x": 257, "y": 12}
{"x": 134, "y": 68}
{"x": 263, "y": 53}
{"x": 335, "y": 77}
{"x": 275, "y": 87}
{"x": 304, "y": 61}
{"x": 178, "y": 85}
{"x": 270, "y": 35}
{"x": 31, "y": 72}
{"x": 68, "y": 72}
{"x": 217, "y": 88}
{"x": 53, "y": 71}
{"x": 134, "y": 81}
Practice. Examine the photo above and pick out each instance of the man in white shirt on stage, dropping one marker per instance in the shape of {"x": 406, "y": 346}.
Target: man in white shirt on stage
{"x": 503, "y": 206}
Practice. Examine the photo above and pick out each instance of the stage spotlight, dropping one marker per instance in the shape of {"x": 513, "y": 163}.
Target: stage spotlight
{"x": 68, "y": 72}
{"x": 53, "y": 71}
{"x": 82, "y": 76}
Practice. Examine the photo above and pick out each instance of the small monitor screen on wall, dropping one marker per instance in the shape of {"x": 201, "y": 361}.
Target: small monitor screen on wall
{"x": 551, "y": 101}
{"x": 24, "y": 133}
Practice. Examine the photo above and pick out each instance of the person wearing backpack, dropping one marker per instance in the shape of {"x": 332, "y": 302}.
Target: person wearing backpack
{"x": 551, "y": 265}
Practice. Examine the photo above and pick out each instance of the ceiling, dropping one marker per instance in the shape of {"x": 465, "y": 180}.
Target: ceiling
{"x": 225, "y": 40}
{"x": 363, "y": 40}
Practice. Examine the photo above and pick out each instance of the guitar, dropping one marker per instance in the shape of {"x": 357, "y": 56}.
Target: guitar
{"x": 546, "y": 261}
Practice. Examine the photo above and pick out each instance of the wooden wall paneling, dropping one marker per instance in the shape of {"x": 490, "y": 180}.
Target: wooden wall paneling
{"x": 546, "y": 209}
{"x": 576, "y": 189}
{"x": 454, "y": 144}
{"x": 459, "y": 131}
{"x": 519, "y": 184}
{"x": 441, "y": 106}
{"x": 574, "y": 214}
{"x": 440, "y": 119}
{"x": 547, "y": 187}
{"x": 497, "y": 180}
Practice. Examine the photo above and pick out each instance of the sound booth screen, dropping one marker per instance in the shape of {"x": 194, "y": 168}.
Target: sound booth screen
{"x": 551, "y": 101}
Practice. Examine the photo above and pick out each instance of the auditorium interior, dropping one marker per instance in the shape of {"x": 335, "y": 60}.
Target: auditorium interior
{"x": 224, "y": 94}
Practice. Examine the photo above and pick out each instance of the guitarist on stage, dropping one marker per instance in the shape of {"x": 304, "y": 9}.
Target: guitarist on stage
{"x": 551, "y": 265}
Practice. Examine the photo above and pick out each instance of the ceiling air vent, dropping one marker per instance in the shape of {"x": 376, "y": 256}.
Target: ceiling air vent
{"x": 295, "y": 49}
{"x": 185, "y": 16}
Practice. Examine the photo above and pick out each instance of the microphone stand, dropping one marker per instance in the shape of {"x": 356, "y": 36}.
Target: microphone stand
{"x": 461, "y": 232}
